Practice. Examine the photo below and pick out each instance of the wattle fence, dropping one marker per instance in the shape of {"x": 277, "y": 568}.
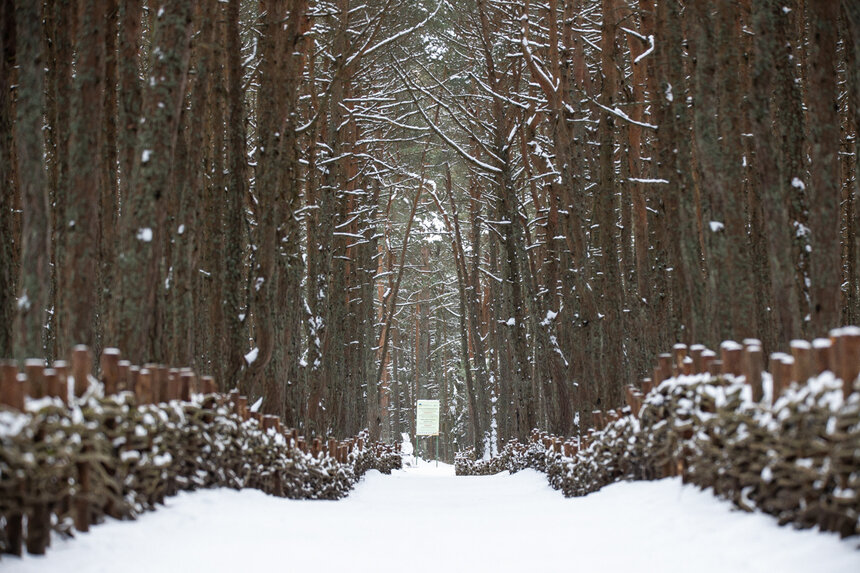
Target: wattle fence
{"x": 75, "y": 449}
{"x": 785, "y": 441}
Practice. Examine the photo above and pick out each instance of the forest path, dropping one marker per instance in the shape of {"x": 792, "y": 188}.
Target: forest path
{"x": 426, "y": 519}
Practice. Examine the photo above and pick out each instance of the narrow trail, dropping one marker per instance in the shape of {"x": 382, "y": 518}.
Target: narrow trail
{"x": 426, "y": 519}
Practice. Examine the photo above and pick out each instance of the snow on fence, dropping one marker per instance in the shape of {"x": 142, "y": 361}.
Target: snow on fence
{"x": 74, "y": 449}
{"x": 785, "y": 441}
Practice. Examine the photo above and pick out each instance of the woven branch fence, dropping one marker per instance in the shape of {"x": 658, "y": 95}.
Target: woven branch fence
{"x": 75, "y": 449}
{"x": 785, "y": 441}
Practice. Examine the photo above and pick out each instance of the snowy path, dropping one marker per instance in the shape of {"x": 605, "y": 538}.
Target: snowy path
{"x": 428, "y": 520}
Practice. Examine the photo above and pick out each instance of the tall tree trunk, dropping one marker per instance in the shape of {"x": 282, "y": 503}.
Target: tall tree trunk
{"x": 109, "y": 206}
{"x": 826, "y": 274}
{"x": 851, "y": 11}
{"x": 604, "y": 234}
{"x": 234, "y": 208}
{"x": 80, "y": 279}
{"x": 268, "y": 209}
{"x": 34, "y": 287}
{"x": 143, "y": 232}
{"x": 9, "y": 239}
{"x": 291, "y": 266}
{"x": 773, "y": 183}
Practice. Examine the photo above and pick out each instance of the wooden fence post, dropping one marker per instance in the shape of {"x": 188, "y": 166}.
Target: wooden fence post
{"x": 731, "y": 355}
{"x": 143, "y": 388}
{"x": 632, "y": 401}
{"x": 243, "y": 408}
{"x": 82, "y": 365}
{"x": 123, "y": 382}
{"x": 270, "y": 421}
{"x": 696, "y": 354}
{"x": 109, "y": 364}
{"x": 779, "y": 373}
{"x": 664, "y": 363}
{"x": 753, "y": 367}
{"x": 162, "y": 381}
{"x": 787, "y": 366}
{"x": 822, "y": 349}
{"x": 708, "y": 358}
{"x": 34, "y": 368}
{"x": 52, "y": 383}
{"x": 599, "y": 420}
{"x": 804, "y": 367}
{"x": 647, "y": 384}
{"x": 679, "y": 352}
{"x": 62, "y": 368}
{"x": 233, "y": 399}
{"x": 715, "y": 367}
{"x": 152, "y": 395}
{"x": 848, "y": 358}
{"x": 38, "y": 515}
{"x": 12, "y": 396}
{"x": 11, "y": 389}
{"x": 208, "y": 384}
{"x": 687, "y": 366}
{"x": 133, "y": 377}
{"x": 186, "y": 378}
{"x": 174, "y": 390}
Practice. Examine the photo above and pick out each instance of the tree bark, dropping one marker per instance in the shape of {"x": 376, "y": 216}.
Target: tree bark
{"x": 80, "y": 279}
{"x": 143, "y": 233}
{"x": 9, "y": 239}
{"x": 34, "y": 287}
{"x": 826, "y": 272}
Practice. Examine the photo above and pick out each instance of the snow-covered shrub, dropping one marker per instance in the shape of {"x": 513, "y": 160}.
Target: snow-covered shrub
{"x": 119, "y": 459}
{"x": 798, "y": 459}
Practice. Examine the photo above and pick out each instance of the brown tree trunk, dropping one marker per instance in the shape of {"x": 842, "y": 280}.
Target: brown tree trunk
{"x": 34, "y": 287}
{"x": 9, "y": 239}
{"x": 851, "y": 11}
{"x": 234, "y": 207}
{"x": 80, "y": 279}
{"x": 109, "y": 206}
{"x": 826, "y": 274}
{"x": 773, "y": 182}
{"x": 143, "y": 236}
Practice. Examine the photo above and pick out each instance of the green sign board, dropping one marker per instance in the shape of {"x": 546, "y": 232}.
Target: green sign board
{"x": 427, "y": 418}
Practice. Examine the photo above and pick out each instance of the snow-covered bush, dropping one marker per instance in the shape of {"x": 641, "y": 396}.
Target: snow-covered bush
{"x": 798, "y": 459}
{"x": 118, "y": 459}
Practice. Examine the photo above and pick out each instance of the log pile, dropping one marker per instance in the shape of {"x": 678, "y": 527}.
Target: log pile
{"x": 786, "y": 442}
{"x": 74, "y": 451}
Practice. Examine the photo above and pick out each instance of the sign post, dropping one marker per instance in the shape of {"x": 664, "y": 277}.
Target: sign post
{"x": 427, "y": 421}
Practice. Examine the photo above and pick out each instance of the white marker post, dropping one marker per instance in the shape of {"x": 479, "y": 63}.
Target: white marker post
{"x": 427, "y": 422}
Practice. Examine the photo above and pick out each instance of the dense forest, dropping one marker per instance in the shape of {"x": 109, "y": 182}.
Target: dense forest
{"x": 344, "y": 206}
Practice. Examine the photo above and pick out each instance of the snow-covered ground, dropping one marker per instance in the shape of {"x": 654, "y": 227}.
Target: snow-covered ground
{"x": 425, "y": 519}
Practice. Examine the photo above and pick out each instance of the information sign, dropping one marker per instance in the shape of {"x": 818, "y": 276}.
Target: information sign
{"x": 427, "y": 419}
